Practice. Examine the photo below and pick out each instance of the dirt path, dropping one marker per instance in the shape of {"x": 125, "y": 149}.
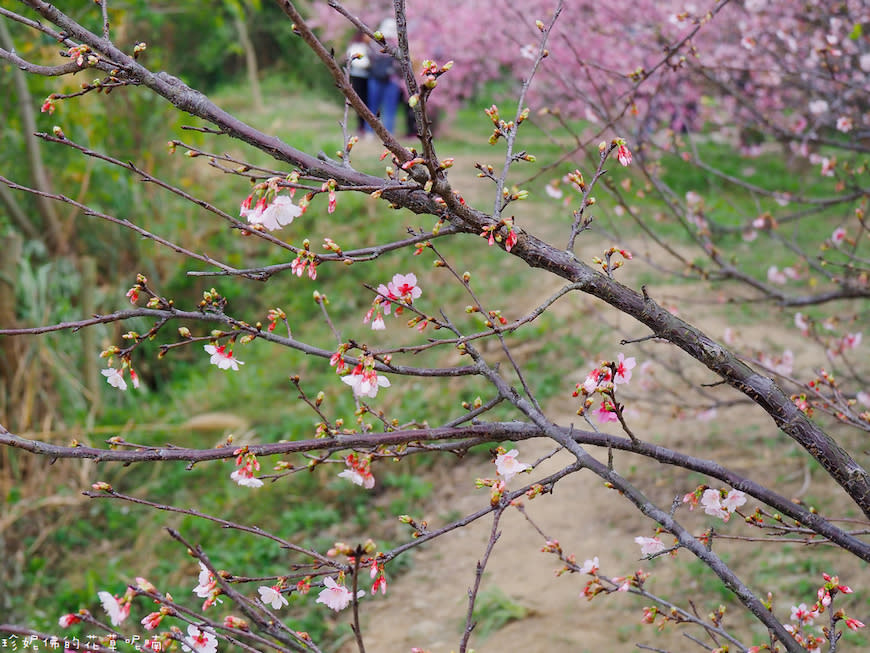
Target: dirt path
{"x": 426, "y": 608}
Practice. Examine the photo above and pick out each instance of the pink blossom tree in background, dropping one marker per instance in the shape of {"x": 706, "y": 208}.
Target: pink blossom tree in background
{"x": 623, "y": 89}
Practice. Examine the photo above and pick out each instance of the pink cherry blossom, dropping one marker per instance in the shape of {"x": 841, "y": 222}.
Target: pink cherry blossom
{"x": 336, "y": 597}
{"x": 595, "y": 378}
{"x": 152, "y": 620}
{"x": 272, "y": 596}
{"x": 246, "y": 465}
{"x": 716, "y": 506}
{"x": 115, "y": 378}
{"x": 245, "y": 478}
{"x": 817, "y": 107}
{"x": 222, "y": 358}
{"x": 733, "y": 500}
{"x": 623, "y": 155}
{"x": 358, "y": 471}
{"x": 117, "y": 611}
{"x": 68, "y": 620}
{"x": 854, "y": 624}
{"x": 380, "y": 584}
{"x": 553, "y": 191}
{"x": 365, "y": 383}
{"x": 852, "y": 340}
{"x": 507, "y": 465}
{"x": 606, "y": 413}
{"x": 589, "y": 566}
{"x": 280, "y": 213}
{"x": 802, "y": 614}
{"x": 712, "y": 502}
{"x": 199, "y": 641}
{"x": 838, "y": 236}
{"x": 623, "y": 369}
{"x": 650, "y": 545}
{"x": 801, "y": 322}
{"x": 775, "y": 276}
{"x": 863, "y": 397}
{"x": 404, "y": 287}
{"x": 824, "y": 597}
{"x": 207, "y": 588}
{"x": 302, "y": 263}
{"x": 844, "y": 124}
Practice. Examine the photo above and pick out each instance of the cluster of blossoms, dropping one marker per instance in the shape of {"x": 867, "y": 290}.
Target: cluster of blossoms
{"x": 575, "y": 178}
{"x": 506, "y": 466}
{"x": 491, "y": 236}
{"x": 804, "y": 616}
{"x": 602, "y": 379}
{"x": 280, "y": 213}
{"x": 717, "y": 503}
{"x": 364, "y": 380}
{"x": 400, "y": 292}
{"x": 203, "y": 640}
{"x": 778, "y": 365}
{"x": 271, "y": 210}
{"x": 359, "y": 470}
{"x": 305, "y": 260}
{"x": 207, "y": 587}
{"x": 844, "y": 344}
{"x": 775, "y": 275}
{"x": 376, "y": 573}
{"x": 246, "y": 465}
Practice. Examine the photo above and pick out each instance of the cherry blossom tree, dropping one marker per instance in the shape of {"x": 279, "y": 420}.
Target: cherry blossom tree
{"x": 621, "y": 97}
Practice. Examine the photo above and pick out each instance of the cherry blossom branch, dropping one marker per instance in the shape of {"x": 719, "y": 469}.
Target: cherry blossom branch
{"x": 510, "y": 131}
{"x": 355, "y": 627}
{"x": 239, "y": 327}
{"x": 355, "y": 255}
{"x": 266, "y": 621}
{"x": 646, "y": 507}
{"x": 86, "y": 210}
{"x": 490, "y": 432}
{"x": 129, "y": 166}
{"x": 494, "y": 536}
{"x": 552, "y": 546}
{"x": 107, "y": 492}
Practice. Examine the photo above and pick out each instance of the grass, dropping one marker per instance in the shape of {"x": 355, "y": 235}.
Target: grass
{"x": 493, "y": 610}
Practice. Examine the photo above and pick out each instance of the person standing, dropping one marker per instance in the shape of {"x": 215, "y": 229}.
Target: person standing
{"x": 383, "y": 85}
{"x": 358, "y": 64}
